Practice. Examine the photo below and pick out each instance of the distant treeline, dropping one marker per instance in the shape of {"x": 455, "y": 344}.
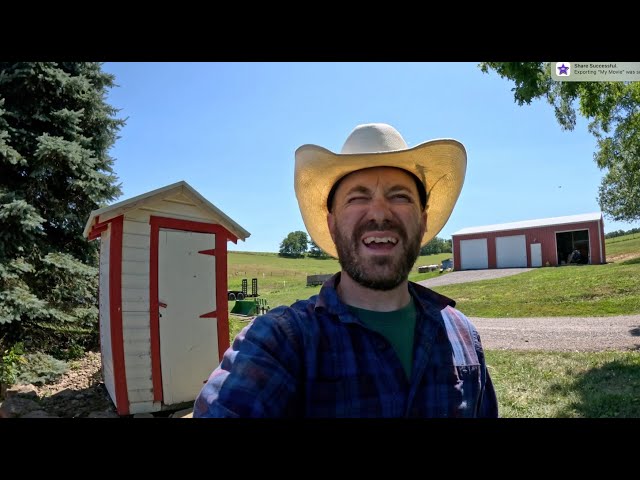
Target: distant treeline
{"x": 619, "y": 233}
{"x": 436, "y": 245}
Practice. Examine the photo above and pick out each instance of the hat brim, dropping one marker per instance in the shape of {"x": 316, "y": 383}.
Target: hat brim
{"x": 441, "y": 165}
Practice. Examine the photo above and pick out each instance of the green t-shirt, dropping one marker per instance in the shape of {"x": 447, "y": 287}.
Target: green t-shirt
{"x": 397, "y": 327}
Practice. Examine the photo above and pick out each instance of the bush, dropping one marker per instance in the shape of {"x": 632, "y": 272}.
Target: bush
{"x": 40, "y": 369}
{"x": 72, "y": 351}
{"x": 10, "y": 364}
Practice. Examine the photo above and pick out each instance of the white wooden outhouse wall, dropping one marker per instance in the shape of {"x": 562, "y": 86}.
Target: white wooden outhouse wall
{"x": 164, "y": 320}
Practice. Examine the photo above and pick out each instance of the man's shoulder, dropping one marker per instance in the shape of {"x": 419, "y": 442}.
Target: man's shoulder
{"x": 297, "y": 313}
{"x": 454, "y": 315}
{"x": 428, "y": 296}
{"x": 285, "y": 321}
{"x": 298, "y": 307}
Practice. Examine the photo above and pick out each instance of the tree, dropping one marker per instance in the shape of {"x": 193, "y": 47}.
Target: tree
{"x": 294, "y": 245}
{"x": 613, "y": 111}
{"x": 436, "y": 245}
{"x": 315, "y": 251}
{"x": 55, "y": 133}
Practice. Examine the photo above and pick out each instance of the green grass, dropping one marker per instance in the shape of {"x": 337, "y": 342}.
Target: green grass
{"x": 626, "y": 244}
{"x": 584, "y": 290}
{"x": 622, "y": 238}
{"x": 566, "y": 385}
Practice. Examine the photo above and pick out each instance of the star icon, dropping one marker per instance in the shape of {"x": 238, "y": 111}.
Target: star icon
{"x": 563, "y": 69}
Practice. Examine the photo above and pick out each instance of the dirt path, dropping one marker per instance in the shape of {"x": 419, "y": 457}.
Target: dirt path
{"x": 560, "y": 333}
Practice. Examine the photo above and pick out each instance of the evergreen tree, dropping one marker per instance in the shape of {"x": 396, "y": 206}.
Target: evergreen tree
{"x": 55, "y": 133}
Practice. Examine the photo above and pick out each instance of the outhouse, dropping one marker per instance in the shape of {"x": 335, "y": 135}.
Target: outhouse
{"x": 164, "y": 320}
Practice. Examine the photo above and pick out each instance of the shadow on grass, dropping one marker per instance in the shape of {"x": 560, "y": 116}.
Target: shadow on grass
{"x": 632, "y": 261}
{"x": 612, "y": 390}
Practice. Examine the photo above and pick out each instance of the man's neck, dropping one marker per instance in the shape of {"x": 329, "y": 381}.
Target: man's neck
{"x": 354, "y": 294}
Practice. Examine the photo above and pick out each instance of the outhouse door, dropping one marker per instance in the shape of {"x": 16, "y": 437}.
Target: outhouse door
{"x": 187, "y": 325}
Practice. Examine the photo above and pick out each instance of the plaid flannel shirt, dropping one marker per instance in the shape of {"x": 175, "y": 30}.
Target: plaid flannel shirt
{"x": 316, "y": 359}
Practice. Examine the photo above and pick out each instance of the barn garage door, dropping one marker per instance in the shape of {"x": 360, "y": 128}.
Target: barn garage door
{"x": 473, "y": 254}
{"x": 511, "y": 251}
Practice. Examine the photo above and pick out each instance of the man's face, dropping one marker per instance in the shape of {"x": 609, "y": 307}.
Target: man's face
{"x": 377, "y": 225}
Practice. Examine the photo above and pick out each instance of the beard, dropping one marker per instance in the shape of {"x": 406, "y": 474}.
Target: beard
{"x": 378, "y": 272}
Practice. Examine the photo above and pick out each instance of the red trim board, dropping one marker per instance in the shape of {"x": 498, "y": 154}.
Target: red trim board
{"x": 115, "y": 315}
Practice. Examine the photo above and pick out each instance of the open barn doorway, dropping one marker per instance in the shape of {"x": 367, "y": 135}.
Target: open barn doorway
{"x": 573, "y": 247}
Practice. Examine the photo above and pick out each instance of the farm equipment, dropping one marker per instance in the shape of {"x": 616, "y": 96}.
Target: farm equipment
{"x": 242, "y": 294}
{"x": 255, "y": 306}
{"x": 313, "y": 280}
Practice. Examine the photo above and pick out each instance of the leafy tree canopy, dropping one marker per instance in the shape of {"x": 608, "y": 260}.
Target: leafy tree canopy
{"x": 294, "y": 244}
{"x": 436, "y": 245}
{"x": 613, "y": 111}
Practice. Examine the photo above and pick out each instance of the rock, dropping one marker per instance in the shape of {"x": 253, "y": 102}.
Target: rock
{"x": 79, "y": 392}
{"x": 39, "y": 414}
{"x": 24, "y": 391}
{"x": 186, "y": 413}
{"x": 103, "y": 415}
{"x": 17, "y": 406}
{"x": 143, "y": 415}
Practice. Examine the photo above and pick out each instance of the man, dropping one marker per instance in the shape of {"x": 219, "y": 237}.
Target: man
{"x": 371, "y": 343}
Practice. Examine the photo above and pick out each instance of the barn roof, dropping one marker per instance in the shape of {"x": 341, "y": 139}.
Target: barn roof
{"x": 182, "y": 189}
{"x": 542, "y": 222}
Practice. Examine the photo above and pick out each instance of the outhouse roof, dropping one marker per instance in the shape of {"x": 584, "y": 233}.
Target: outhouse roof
{"x": 180, "y": 187}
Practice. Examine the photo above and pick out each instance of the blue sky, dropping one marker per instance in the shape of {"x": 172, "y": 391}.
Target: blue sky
{"x": 231, "y": 129}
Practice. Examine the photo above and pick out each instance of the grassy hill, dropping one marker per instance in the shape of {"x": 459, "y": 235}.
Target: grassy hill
{"x": 624, "y": 246}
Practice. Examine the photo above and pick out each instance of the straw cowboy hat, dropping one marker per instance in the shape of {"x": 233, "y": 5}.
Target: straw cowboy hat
{"x": 440, "y": 165}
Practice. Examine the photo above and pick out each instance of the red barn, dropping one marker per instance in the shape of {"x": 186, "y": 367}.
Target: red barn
{"x": 531, "y": 243}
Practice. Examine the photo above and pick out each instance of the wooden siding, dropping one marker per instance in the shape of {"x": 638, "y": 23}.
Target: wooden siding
{"x": 546, "y": 236}
{"x": 144, "y": 407}
{"x": 135, "y": 307}
{"x": 168, "y": 208}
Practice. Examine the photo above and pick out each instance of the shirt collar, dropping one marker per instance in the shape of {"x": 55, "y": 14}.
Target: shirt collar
{"x": 329, "y": 301}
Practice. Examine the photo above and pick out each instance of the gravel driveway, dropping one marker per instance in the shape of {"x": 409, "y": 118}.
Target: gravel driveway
{"x": 560, "y": 333}
{"x": 464, "y": 276}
